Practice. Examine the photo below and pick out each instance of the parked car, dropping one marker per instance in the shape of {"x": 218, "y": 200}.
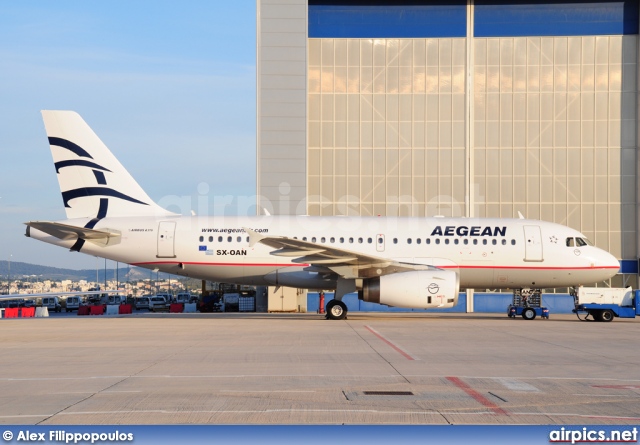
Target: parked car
{"x": 183, "y": 297}
{"x": 73, "y": 303}
{"x": 113, "y": 299}
{"x": 142, "y": 303}
{"x": 52, "y": 304}
{"x": 158, "y": 303}
{"x": 167, "y": 296}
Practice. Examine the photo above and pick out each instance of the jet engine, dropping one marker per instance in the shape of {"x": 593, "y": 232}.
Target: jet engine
{"x": 415, "y": 289}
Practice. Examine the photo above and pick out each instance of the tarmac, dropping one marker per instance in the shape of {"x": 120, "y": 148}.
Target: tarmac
{"x": 373, "y": 368}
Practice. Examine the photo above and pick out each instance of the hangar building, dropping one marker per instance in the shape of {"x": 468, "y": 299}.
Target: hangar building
{"x": 472, "y": 108}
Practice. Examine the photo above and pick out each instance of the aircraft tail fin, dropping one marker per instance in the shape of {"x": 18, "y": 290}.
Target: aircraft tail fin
{"x": 93, "y": 182}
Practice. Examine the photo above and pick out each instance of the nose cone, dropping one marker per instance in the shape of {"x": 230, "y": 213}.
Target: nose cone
{"x": 608, "y": 262}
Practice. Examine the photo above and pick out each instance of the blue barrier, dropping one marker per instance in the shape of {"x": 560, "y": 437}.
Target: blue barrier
{"x": 483, "y": 303}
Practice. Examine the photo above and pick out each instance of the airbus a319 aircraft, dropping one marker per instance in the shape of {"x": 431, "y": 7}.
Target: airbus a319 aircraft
{"x": 395, "y": 261}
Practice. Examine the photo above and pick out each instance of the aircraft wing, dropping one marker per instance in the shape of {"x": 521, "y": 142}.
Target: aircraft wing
{"x": 323, "y": 258}
{"x": 56, "y": 294}
{"x": 67, "y": 232}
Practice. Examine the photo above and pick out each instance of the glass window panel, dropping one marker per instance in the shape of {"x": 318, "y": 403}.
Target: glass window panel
{"x": 392, "y": 134}
{"x": 314, "y": 80}
{"x": 314, "y": 134}
{"x": 366, "y": 80}
{"x": 379, "y": 134}
{"x": 353, "y": 107}
{"x": 432, "y": 80}
{"x": 366, "y": 107}
{"x": 327, "y": 134}
{"x": 353, "y": 50}
{"x": 340, "y": 52}
{"x": 405, "y": 134}
{"x": 458, "y": 135}
{"x": 314, "y": 52}
{"x": 432, "y": 134}
{"x": 366, "y": 134}
{"x": 366, "y": 52}
{"x": 392, "y": 107}
{"x": 353, "y": 134}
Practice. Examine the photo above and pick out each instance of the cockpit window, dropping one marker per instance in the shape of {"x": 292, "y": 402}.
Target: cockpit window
{"x": 581, "y": 242}
{"x": 570, "y": 242}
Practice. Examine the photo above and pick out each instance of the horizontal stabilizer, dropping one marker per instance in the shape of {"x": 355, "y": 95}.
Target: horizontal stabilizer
{"x": 67, "y": 232}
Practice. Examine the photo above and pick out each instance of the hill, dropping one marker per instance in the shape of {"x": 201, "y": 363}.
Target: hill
{"x": 25, "y": 270}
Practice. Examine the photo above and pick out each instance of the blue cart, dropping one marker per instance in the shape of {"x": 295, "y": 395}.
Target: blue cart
{"x": 528, "y": 313}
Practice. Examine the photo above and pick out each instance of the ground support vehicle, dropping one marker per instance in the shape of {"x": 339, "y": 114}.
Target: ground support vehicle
{"x": 527, "y": 303}
{"x": 604, "y": 304}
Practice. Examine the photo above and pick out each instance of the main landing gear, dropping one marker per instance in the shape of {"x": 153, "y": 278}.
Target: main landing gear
{"x": 336, "y": 310}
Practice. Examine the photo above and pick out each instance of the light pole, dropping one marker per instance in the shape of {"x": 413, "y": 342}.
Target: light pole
{"x": 9, "y": 277}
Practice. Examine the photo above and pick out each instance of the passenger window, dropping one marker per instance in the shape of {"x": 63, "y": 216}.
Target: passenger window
{"x": 201, "y": 238}
{"x": 229, "y": 239}
{"x": 466, "y": 241}
{"x": 513, "y": 242}
{"x": 351, "y": 240}
{"x": 428, "y": 241}
{"x": 341, "y": 240}
{"x": 475, "y": 242}
{"x": 484, "y": 241}
{"x": 247, "y": 239}
{"x": 494, "y": 242}
{"x": 323, "y": 239}
{"x": 210, "y": 239}
{"x": 313, "y": 239}
{"x": 333, "y": 240}
{"x": 219, "y": 239}
{"x": 446, "y": 240}
{"x": 456, "y": 241}
{"x": 418, "y": 240}
{"x": 408, "y": 240}
{"x": 570, "y": 242}
{"x": 239, "y": 239}
{"x": 369, "y": 240}
{"x": 380, "y": 240}
{"x": 504, "y": 242}
{"x": 437, "y": 240}
{"x": 360, "y": 240}
{"x": 395, "y": 241}
{"x": 304, "y": 238}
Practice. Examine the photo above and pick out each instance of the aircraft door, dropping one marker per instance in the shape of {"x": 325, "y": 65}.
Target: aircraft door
{"x": 532, "y": 244}
{"x": 380, "y": 242}
{"x": 166, "y": 241}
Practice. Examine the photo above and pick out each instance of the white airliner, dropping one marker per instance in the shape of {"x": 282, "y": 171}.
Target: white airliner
{"x": 402, "y": 262}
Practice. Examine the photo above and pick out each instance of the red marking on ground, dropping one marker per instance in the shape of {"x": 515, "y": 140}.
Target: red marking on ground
{"x": 477, "y": 396}
{"x": 396, "y": 348}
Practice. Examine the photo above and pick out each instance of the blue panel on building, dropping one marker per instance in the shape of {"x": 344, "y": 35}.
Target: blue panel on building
{"x": 500, "y": 18}
{"x": 628, "y": 266}
{"x": 387, "y": 19}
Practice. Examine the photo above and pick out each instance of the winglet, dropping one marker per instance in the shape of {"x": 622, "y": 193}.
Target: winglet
{"x": 254, "y": 237}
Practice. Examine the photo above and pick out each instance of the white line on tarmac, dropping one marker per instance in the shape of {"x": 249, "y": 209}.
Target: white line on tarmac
{"x": 268, "y": 392}
{"x": 516, "y": 385}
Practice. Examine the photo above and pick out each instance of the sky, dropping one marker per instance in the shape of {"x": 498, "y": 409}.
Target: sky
{"x": 169, "y": 87}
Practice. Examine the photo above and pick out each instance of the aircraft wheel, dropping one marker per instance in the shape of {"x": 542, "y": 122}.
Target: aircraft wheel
{"x": 529, "y": 314}
{"x": 607, "y": 315}
{"x": 336, "y": 310}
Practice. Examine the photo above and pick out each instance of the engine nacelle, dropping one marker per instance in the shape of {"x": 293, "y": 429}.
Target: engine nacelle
{"x": 419, "y": 289}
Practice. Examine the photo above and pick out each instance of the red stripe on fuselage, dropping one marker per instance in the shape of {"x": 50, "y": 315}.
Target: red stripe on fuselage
{"x": 441, "y": 267}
